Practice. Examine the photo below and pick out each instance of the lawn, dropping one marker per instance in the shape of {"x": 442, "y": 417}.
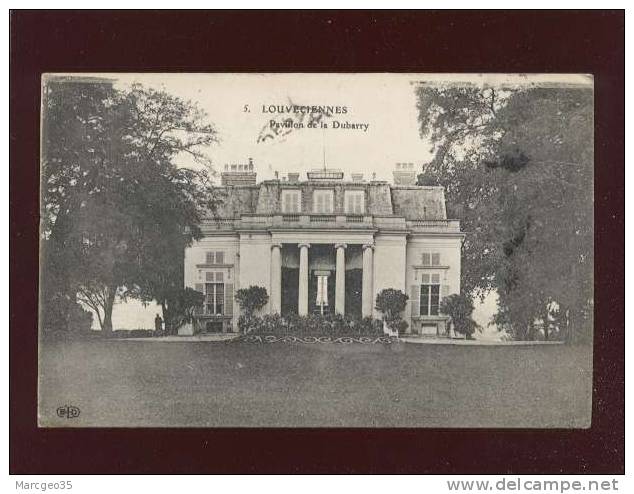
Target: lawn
{"x": 215, "y": 384}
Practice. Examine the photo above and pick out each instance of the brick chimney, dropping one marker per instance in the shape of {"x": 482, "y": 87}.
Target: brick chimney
{"x": 239, "y": 174}
{"x": 404, "y": 174}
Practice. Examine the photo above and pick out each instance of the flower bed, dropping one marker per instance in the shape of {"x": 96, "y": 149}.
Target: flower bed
{"x": 313, "y": 325}
{"x": 345, "y": 340}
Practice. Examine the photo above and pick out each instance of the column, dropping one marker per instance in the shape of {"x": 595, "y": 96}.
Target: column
{"x": 340, "y": 279}
{"x": 302, "y": 302}
{"x": 366, "y": 286}
{"x": 276, "y": 279}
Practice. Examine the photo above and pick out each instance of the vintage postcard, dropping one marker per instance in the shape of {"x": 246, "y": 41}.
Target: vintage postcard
{"x": 316, "y": 250}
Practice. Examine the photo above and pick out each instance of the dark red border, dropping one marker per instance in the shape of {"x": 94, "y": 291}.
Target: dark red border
{"x": 292, "y": 41}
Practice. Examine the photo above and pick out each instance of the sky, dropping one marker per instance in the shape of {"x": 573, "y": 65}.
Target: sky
{"x": 386, "y": 103}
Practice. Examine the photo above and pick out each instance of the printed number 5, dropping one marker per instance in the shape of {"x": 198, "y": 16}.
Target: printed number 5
{"x": 246, "y": 109}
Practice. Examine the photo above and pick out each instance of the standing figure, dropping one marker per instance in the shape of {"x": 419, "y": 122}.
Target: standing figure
{"x": 158, "y": 323}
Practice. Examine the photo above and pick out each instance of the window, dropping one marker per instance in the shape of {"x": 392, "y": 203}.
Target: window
{"x": 355, "y": 201}
{"x": 214, "y": 294}
{"x": 323, "y": 201}
{"x": 430, "y": 259}
{"x": 215, "y": 257}
{"x": 429, "y": 295}
{"x": 291, "y": 201}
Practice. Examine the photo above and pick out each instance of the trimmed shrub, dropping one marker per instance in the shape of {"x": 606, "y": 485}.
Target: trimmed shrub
{"x": 460, "y": 309}
{"x": 392, "y": 303}
{"x": 252, "y": 299}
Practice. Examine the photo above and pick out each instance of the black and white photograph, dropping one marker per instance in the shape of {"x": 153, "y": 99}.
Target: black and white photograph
{"x": 330, "y": 250}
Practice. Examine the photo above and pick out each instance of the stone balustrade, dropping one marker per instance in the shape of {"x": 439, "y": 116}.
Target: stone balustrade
{"x": 317, "y": 221}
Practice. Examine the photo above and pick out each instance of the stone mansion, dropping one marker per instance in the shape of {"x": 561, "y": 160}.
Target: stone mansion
{"x": 327, "y": 244}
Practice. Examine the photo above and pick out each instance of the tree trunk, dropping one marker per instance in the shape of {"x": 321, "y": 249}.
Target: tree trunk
{"x": 107, "y": 311}
{"x": 546, "y": 324}
{"x": 99, "y": 318}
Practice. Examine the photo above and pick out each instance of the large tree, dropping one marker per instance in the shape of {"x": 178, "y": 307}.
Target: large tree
{"x": 517, "y": 165}
{"x": 117, "y": 211}
{"x": 77, "y": 133}
{"x": 166, "y": 202}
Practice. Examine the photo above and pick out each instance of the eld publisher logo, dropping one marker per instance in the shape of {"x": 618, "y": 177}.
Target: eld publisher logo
{"x": 68, "y": 412}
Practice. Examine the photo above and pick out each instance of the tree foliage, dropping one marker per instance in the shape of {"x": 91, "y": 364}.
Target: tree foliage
{"x": 183, "y": 307}
{"x": 517, "y": 166}
{"x": 117, "y": 210}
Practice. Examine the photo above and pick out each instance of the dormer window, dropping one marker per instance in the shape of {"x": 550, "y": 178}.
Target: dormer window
{"x": 291, "y": 201}
{"x": 323, "y": 201}
{"x": 354, "y": 201}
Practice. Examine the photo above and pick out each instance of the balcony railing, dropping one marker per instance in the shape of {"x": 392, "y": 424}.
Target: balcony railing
{"x": 435, "y": 225}
{"x": 219, "y": 224}
{"x": 353, "y": 221}
{"x": 323, "y": 218}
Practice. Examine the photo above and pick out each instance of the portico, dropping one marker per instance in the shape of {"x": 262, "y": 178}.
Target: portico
{"x": 320, "y": 270}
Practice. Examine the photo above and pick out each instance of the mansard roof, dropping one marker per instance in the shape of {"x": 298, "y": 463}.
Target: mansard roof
{"x": 382, "y": 199}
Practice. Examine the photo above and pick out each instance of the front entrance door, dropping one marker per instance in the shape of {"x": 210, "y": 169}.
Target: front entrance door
{"x": 321, "y": 292}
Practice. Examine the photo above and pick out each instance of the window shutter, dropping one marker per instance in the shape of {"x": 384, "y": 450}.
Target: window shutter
{"x": 415, "y": 299}
{"x": 435, "y": 279}
{"x": 220, "y": 257}
{"x": 209, "y": 277}
{"x": 445, "y": 291}
{"x": 229, "y": 299}
{"x": 424, "y": 278}
{"x": 200, "y": 288}
{"x": 220, "y": 277}
{"x": 425, "y": 259}
{"x": 435, "y": 259}
{"x": 210, "y": 258}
